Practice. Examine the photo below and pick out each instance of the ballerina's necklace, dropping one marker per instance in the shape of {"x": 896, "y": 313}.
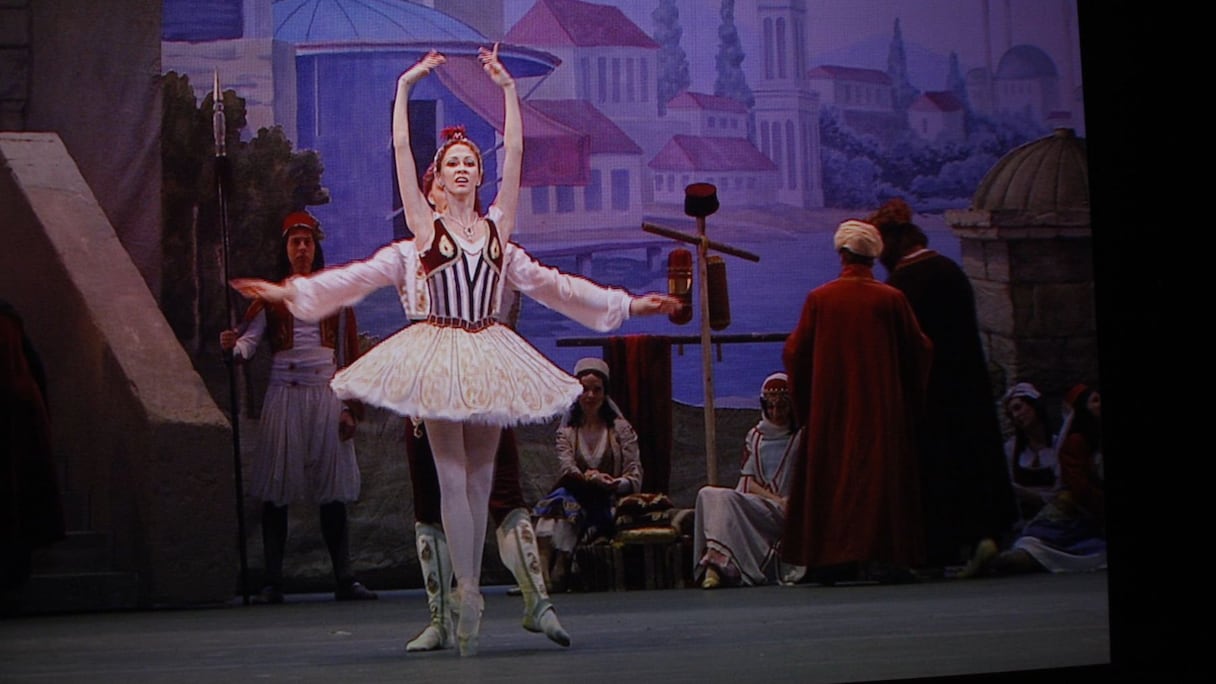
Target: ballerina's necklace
{"x": 466, "y": 228}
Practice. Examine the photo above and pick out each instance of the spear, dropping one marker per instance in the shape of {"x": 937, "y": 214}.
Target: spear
{"x": 223, "y": 174}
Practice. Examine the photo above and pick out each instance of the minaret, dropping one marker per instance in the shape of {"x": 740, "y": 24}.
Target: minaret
{"x": 786, "y": 110}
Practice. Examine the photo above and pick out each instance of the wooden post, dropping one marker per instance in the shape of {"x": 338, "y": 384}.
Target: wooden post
{"x": 701, "y": 200}
{"x": 707, "y": 364}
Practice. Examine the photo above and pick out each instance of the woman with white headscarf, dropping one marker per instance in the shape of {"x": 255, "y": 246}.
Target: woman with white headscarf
{"x": 597, "y": 452}
{"x": 737, "y": 530}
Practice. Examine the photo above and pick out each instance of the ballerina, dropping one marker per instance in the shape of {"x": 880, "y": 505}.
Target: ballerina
{"x": 458, "y": 369}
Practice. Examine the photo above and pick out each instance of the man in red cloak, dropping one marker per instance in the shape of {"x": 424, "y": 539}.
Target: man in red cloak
{"x": 858, "y": 363}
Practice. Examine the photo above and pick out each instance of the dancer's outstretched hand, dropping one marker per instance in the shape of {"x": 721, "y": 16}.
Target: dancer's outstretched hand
{"x": 498, "y": 73}
{"x": 654, "y": 303}
{"x": 255, "y": 288}
{"x": 424, "y": 66}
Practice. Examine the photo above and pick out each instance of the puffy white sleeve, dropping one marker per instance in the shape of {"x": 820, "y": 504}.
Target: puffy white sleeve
{"x": 316, "y": 296}
{"x": 600, "y": 308}
{"x": 247, "y": 343}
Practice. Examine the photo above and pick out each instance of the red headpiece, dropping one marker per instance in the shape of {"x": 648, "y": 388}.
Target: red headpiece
{"x": 303, "y": 219}
{"x": 1075, "y": 393}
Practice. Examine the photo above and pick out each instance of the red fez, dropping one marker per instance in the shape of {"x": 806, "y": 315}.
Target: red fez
{"x": 700, "y": 200}
{"x": 302, "y": 219}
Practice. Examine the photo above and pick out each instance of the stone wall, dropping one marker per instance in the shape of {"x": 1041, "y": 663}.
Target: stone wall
{"x": 1033, "y": 280}
{"x": 143, "y": 452}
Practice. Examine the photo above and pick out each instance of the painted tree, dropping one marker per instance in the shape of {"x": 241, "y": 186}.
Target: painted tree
{"x": 269, "y": 180}
{"x": 897, "y": 69}
{"x": 673, "y": 75}
{"x": 955, "y": 83}
{"x": 731, "y": 81}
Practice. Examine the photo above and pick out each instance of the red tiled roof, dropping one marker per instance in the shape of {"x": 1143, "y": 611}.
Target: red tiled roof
{"x": 554, "y": 154}
{"x": 575, "y": 23}
{"x": 843, "y": 73}
{"x": 936, "y": 101}
{"x": 584, "y": 117}
{"x": 697, "y": 153}
{"x": 690, "y": 100}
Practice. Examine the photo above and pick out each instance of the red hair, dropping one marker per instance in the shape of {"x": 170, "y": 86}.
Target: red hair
{"x": 894, "y": 210}
{"x": 456, "y": 135}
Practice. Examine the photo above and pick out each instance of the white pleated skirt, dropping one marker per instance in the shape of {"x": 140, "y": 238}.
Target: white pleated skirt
{"x": 299, "y": 457}
{"x": 490, "y": 376}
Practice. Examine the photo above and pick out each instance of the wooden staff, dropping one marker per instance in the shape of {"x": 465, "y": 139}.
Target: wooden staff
{"x": 223, "y": 171}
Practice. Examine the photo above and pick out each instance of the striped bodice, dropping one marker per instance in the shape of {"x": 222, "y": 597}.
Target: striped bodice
{"x": 461, "y": 288}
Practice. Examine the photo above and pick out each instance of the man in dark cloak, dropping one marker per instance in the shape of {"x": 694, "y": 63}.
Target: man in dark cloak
{"x": 965, "y": 488}
{"x": 858, "y": 363}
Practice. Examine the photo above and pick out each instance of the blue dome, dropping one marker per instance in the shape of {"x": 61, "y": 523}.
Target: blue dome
{"x": 1024, "y": 62}
{"x": 380, "y": 21}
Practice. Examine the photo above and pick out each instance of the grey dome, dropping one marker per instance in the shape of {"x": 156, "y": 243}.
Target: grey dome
{"x": 1024, "y": 62}
{"x": 1047, "y": 175}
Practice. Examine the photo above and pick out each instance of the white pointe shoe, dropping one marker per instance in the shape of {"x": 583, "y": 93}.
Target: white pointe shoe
{"x": 468, "y": 627}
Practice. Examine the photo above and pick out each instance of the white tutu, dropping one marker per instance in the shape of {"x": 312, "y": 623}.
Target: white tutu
{"x": 491, "y": 376}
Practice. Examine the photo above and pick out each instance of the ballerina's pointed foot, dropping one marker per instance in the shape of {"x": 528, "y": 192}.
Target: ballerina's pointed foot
{"x": 468, "y": 627}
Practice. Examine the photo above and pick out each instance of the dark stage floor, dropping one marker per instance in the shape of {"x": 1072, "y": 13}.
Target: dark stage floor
{"x": 767, "y": 634}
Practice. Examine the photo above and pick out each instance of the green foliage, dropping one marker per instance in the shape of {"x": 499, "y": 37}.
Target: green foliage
{"x": 672, "y": 77}
{"x": 897, "y": 68}
{"x": 731, "y": 81}
{"x": 266, "y": 180}
{"x": 859, "y": 171}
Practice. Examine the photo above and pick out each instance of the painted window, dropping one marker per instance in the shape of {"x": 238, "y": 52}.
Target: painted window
{"x": 540, "y": 200}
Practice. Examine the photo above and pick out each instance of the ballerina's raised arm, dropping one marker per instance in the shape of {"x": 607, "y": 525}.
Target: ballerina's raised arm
{"x": 507, "y": 199}
{"x": 418, "y": 216}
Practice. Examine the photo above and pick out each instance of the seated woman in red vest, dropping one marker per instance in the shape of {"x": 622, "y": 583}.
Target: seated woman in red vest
{"x": 1031, "y": 451}
{"x": 1069, "y": 533}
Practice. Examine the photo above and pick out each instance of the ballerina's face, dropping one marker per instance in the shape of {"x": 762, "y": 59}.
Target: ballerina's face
{"x": 460, "y": 170}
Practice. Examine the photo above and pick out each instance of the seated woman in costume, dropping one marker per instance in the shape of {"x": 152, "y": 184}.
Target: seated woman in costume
{"x": 1034, "y": 468}
{"x": 597, "y": 451}
{"x": 738, "y": 530}
{"x": 1069, "y": 533}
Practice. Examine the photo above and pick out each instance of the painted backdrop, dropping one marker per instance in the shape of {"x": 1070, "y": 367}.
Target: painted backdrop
{"x": 801, "y": 112}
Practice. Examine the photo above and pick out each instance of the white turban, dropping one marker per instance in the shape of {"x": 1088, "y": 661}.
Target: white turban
{"x": 859, "y": 238}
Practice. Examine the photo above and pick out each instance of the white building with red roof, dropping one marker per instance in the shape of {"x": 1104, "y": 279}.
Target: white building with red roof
{"x": 708, "y": 115}
{"x": 853, "y": 88}
{"x": 606, "y": 59}
{"x": 937, "y": 115}
{"x": 612, "y": 194}
{"x": 741, "y": 173}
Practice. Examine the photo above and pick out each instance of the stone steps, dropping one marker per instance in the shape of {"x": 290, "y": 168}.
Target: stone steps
{"x": 75, "y": 575}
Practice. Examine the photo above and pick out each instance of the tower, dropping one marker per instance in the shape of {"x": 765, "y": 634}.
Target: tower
{"x": 786, "y": 110}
